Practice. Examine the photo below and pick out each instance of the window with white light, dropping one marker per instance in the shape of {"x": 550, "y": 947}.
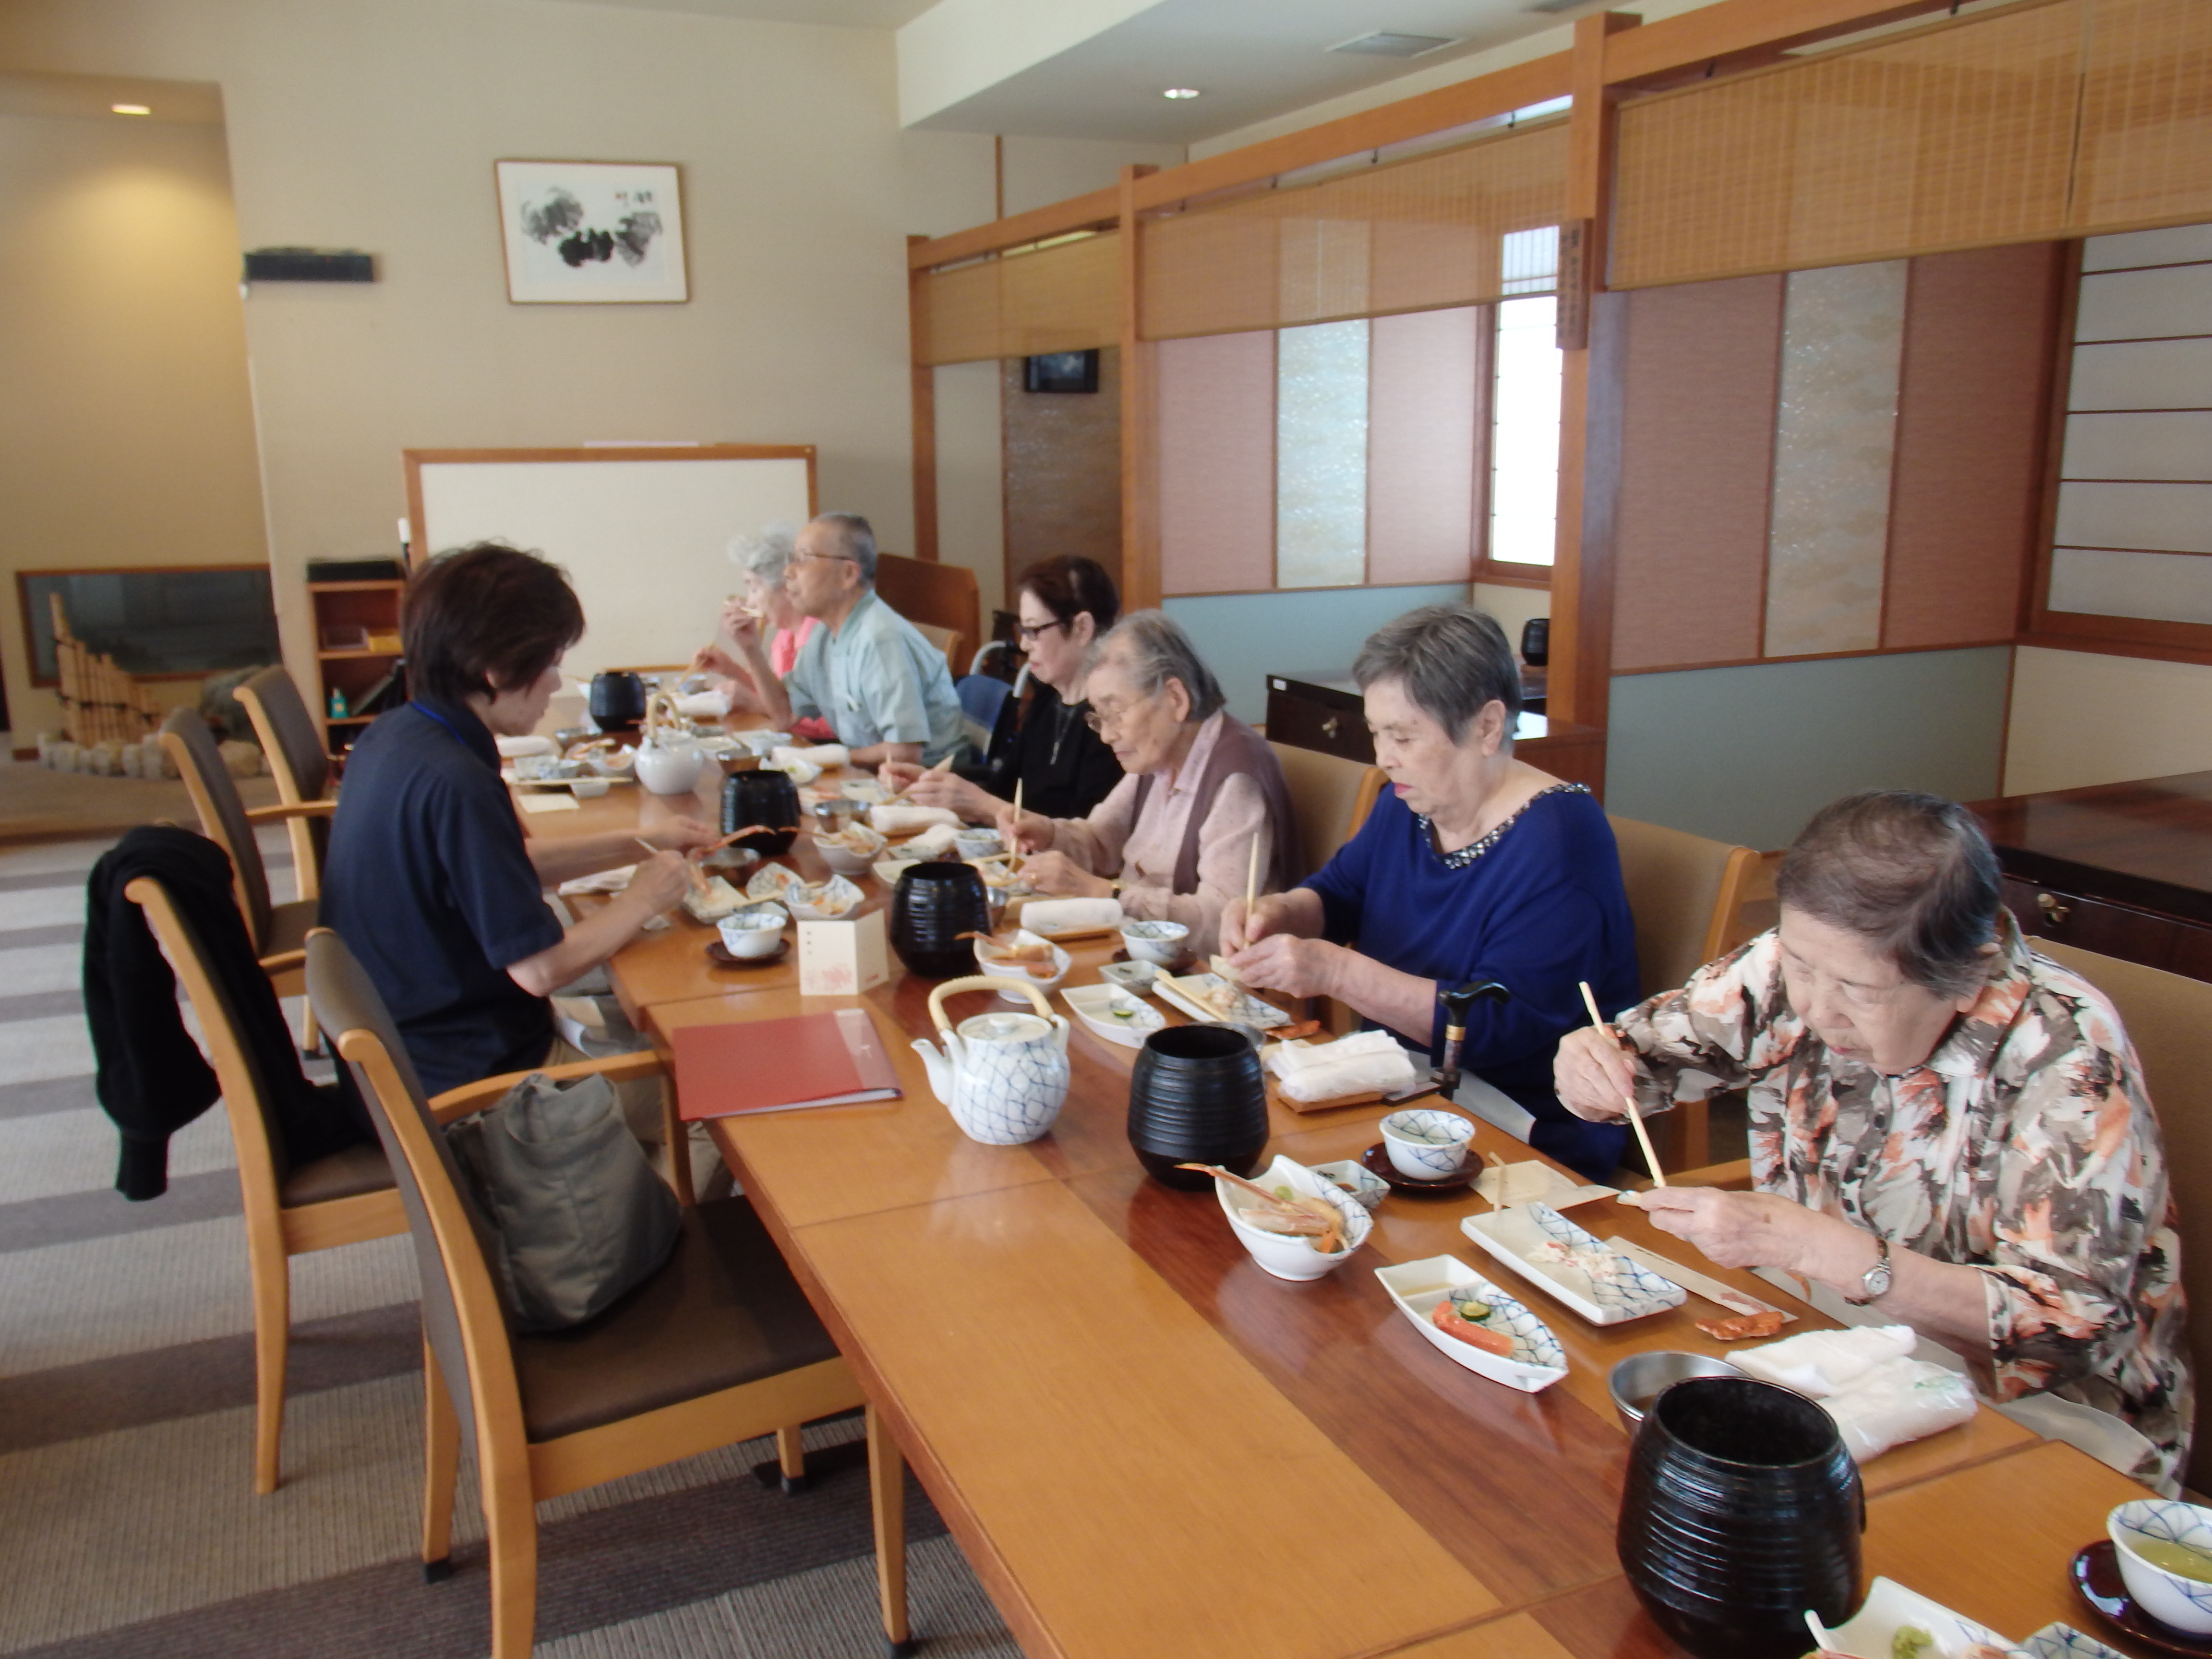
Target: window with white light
{"x": 1524, "y": 422}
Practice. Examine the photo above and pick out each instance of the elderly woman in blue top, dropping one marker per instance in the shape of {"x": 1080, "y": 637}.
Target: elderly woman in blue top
{"x": 885, "y": 689}
{"x": 1474, "y": 866}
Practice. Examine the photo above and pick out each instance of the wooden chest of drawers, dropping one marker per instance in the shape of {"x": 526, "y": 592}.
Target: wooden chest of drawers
{"x": 1323, "y": 711}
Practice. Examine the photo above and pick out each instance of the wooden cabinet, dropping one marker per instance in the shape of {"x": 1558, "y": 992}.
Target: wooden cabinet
{"x": 1324, "y": 712}
{"x": 356, "y": 650}
{"x": 2110, "y": 930}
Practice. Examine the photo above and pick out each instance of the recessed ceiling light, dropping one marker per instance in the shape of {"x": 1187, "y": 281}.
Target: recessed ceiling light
{"x": 1180, "y": 92}
{"x": 132, "y": 109}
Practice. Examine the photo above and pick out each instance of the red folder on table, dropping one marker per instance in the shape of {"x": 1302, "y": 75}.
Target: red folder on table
{"x": 828, "y": 1059}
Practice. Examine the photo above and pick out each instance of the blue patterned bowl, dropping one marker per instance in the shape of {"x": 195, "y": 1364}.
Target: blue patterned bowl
{"x": 2179, "y": 1602}
{"x": 1425, "y": 1143}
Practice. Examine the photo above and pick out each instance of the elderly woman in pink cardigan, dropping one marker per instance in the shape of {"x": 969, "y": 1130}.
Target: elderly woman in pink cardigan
{"x": 1200, "y": 788}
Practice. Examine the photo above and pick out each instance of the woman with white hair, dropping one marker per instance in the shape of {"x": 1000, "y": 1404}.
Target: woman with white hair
{"x": 764, "y": 556}
{"x": 1199, "y": 790}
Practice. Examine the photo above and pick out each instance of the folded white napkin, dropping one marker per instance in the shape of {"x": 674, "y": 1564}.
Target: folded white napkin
{"x": 938, "y": 838}
{"x": 703, "y": 706}
{"x": 605, "y": 881}
{"x": 1350, "y": 1066}
{"x": 1059, "y": 915}
{"x": 799, "y": 771}
{"x": 821, "y": 755}
{"x": 515, "y": 748}
{"x": 1822, "y": 1362}
{"x": 892, "y": 820}
{"x": 1898, "y": 1401}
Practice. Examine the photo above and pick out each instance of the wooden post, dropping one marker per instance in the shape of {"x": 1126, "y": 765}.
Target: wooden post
{"x": 1582, "y": 573}
{"x": 1140, "y": 461}
{"x": 923, "y": 394}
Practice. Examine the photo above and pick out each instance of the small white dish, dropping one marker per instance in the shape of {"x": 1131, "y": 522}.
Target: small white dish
{"x": 991, "y": 960}
{"x": 1889, "y": 1607}
{"x": 762, "y": 742}
{"x": 823, "y": 901}
{"x": 1425, "y": 1143}
{"x": 1537, "y": 1360}
{"x": 772, "y": 881}
{"x": 1287, "y": 1255}
{"x": 1630, "y": 1292}
{"x": 2181, "y": 1603}
{"x": 1367, "y": 1188}
{"x": 1114, "y": 1013}
{"x": 1157, "y": 942}
{"x": 750, "y": 933}
{"x": 1132, "y": 976}
{"x": 972, "y": 844}
{"x": 590, "y": 788}
{"x": 853, "y": 855}
{"x": 1249, "y": 1010}
{"x": 718, "y": 901}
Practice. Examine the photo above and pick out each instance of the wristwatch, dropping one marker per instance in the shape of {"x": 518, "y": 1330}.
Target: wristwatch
{"x": 1876, "y": 1282}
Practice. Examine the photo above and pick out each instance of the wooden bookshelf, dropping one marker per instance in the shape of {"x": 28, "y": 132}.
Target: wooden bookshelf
{"x": 373, "y": 606}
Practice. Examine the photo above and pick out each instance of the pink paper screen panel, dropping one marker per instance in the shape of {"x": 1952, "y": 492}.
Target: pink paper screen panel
{"x": 1422, "y": 403}
{"x": 1217, "y": 438}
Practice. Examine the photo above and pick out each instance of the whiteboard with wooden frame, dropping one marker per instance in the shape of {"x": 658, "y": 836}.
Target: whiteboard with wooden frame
{"x": 644, "y": 533}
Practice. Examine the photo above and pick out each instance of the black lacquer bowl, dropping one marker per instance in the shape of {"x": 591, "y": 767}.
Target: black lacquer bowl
{"x": 768, "y": 798}
{"x": 1198, "y": 1096}
{"x": 935, "y": 903}
{"x": 1742, "y": 1510}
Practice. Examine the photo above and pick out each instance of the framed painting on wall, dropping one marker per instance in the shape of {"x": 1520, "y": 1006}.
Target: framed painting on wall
{"x": 592, "y": 233}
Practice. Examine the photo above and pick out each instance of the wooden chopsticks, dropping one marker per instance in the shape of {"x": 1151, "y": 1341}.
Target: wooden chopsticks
{"x": 1635, "y": 1117}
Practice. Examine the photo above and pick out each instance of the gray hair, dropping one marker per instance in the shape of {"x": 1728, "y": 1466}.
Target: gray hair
{"x": 854, "y": 537}
{"x": 766, "y": 552}
{"x": 1453, "y": 660}
{"x": 1152, "y": 647}
{"x": 1912, "y": 874}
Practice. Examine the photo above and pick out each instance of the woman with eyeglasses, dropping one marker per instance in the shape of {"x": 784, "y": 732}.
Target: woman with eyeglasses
{"x": 1065, "y": 768}
{"x": 1201, "y": 790}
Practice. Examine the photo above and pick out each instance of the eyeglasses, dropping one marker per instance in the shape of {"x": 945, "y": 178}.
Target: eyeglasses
{"x": 1029, "y": 633}
{"x": 800, "y": 558}
{"x": 1101, "y": 720}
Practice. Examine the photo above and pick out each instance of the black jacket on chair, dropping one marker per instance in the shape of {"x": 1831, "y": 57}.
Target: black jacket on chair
{"x": 151, "y": 1076}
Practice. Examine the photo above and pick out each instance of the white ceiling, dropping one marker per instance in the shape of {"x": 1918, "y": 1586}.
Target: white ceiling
{"x": 188, "y": 103}
{"x": 833, "y": 14}
{"x": 1250, "y": 60}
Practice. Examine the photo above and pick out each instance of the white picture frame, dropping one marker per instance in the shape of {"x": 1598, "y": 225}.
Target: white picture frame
{"x": 592, "y": 233}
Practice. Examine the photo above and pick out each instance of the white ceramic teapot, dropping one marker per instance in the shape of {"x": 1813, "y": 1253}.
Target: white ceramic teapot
{"x": 668, "y": 756}
{"x": 1003, "y": 1075}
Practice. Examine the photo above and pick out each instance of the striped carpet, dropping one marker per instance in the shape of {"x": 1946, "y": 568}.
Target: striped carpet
{"x": 128, "y": 1522}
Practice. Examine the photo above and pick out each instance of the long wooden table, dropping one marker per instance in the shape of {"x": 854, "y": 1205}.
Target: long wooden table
{"x": 1145, "y": 1444}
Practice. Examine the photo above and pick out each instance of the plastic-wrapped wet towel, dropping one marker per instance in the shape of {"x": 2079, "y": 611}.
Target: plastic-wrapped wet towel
{"x": 895, "y": 820}
{"x": 821, "y": 757}
{"x": 1351, "y": 1065}
{"x": 1867, "y": 1380}
{"x": 1062, "y": 916}
{"x": 1822, "y": 1362}
{"x": 703, "y": 706}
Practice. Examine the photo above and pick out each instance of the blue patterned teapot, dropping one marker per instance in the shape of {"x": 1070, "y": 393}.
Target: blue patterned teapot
{"x": 1003, "y": 1075}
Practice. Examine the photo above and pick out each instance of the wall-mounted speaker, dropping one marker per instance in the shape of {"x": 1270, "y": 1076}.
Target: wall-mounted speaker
{"x": 307, "y": 264}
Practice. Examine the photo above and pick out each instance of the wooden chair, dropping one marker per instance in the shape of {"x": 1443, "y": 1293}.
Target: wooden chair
{"x": 1330, "y": 797}
{"x": 950, "y": 641}
{"x": 720, "y": 1346}
{"x": 927, "y": 591}
{"x": 292, "y": 744}
{"x": 339, "y": 1200}
{"x": 2169, "y": 1020}
{"x": 1684, "y": 892}
{"x": 278, "y": 931}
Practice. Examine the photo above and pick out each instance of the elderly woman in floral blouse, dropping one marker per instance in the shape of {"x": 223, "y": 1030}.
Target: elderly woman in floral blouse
{"x": 1943, "y": 1124}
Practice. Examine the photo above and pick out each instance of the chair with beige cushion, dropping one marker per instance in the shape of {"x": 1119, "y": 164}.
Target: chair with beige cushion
{"x": 292, "y": 746}
{"x": 1684, "y": 891}
{"x": 950, "y": 641}
{"x": 339, "y": 1200}
{"x": 1330, "y": 798}
{"x": 278, "y": 931}
{"x": 718, "y": 1346}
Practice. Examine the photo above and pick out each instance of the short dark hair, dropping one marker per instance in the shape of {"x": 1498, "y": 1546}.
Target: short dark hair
{"x": 1068, "y": 585}
{"x": 1453, "y": 660}
{"x": 855, "y": 538}
{"x": 1912, "y": 874}
{"x": 485, "y": 619}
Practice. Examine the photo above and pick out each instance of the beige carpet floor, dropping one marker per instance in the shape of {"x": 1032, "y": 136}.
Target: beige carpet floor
{"x": 36, "y": 804}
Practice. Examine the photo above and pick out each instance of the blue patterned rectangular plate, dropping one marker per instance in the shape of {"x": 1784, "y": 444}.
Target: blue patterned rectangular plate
{"x": 1631, "y": 1293}
{"x": 1537, "y": 1360}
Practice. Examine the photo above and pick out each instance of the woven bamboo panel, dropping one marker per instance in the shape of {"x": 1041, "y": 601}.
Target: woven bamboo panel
{"x": 1412, "y": 235}
{"x": 1958, "y": 135}
{"x": 2146, "y": 148}
{"x": 1062, "y": 298}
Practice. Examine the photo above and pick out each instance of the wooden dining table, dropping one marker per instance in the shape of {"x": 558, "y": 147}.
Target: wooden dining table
{"x": 1145, "y": 1444}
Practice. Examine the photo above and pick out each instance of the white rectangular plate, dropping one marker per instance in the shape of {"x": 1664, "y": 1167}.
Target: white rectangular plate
{"x": 1091, "y": 1003}
{"x": 1890, "y": 1607}
{"x": 1537, "y": 1360}
{"x": 1251, "y": 1011}
{"x": 1510, "y": 1235}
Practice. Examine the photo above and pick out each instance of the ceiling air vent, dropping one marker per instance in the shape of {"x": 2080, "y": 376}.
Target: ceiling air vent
{"x": 1383, "y": 43}
{"x": 1555, "y": 6}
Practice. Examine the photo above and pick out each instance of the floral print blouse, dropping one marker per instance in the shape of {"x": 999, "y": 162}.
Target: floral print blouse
{"x": 2025, "y": 1146}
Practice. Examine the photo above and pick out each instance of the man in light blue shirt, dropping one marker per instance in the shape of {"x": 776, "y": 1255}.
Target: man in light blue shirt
{"x": 885, "y": 689}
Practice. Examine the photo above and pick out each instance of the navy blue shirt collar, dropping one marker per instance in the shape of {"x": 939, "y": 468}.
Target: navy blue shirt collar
{"x": 463, "y": 722}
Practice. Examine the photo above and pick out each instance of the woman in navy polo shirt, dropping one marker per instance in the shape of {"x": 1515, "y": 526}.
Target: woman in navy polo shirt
{"x": 1474, "y": 866}
{"x": 430, "y": 881}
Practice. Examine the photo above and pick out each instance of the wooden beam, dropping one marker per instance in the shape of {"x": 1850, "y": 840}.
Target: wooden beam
{"x": 1733, "y": 26}
{"x": 1499, "y": 93}
{"x": 1582, "y": 593}
{"x": 1100, "y": 207}
{"x": 1140, "y": 468}
{"x": 923, "y": 397}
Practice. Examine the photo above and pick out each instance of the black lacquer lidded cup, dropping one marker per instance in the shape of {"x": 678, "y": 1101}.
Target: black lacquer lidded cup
{"x": 768, "y": 798}
{"x": 1742, "y": 1510}
{"x": 934, "y": 904}
{"x": 1198, "y": 1095}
